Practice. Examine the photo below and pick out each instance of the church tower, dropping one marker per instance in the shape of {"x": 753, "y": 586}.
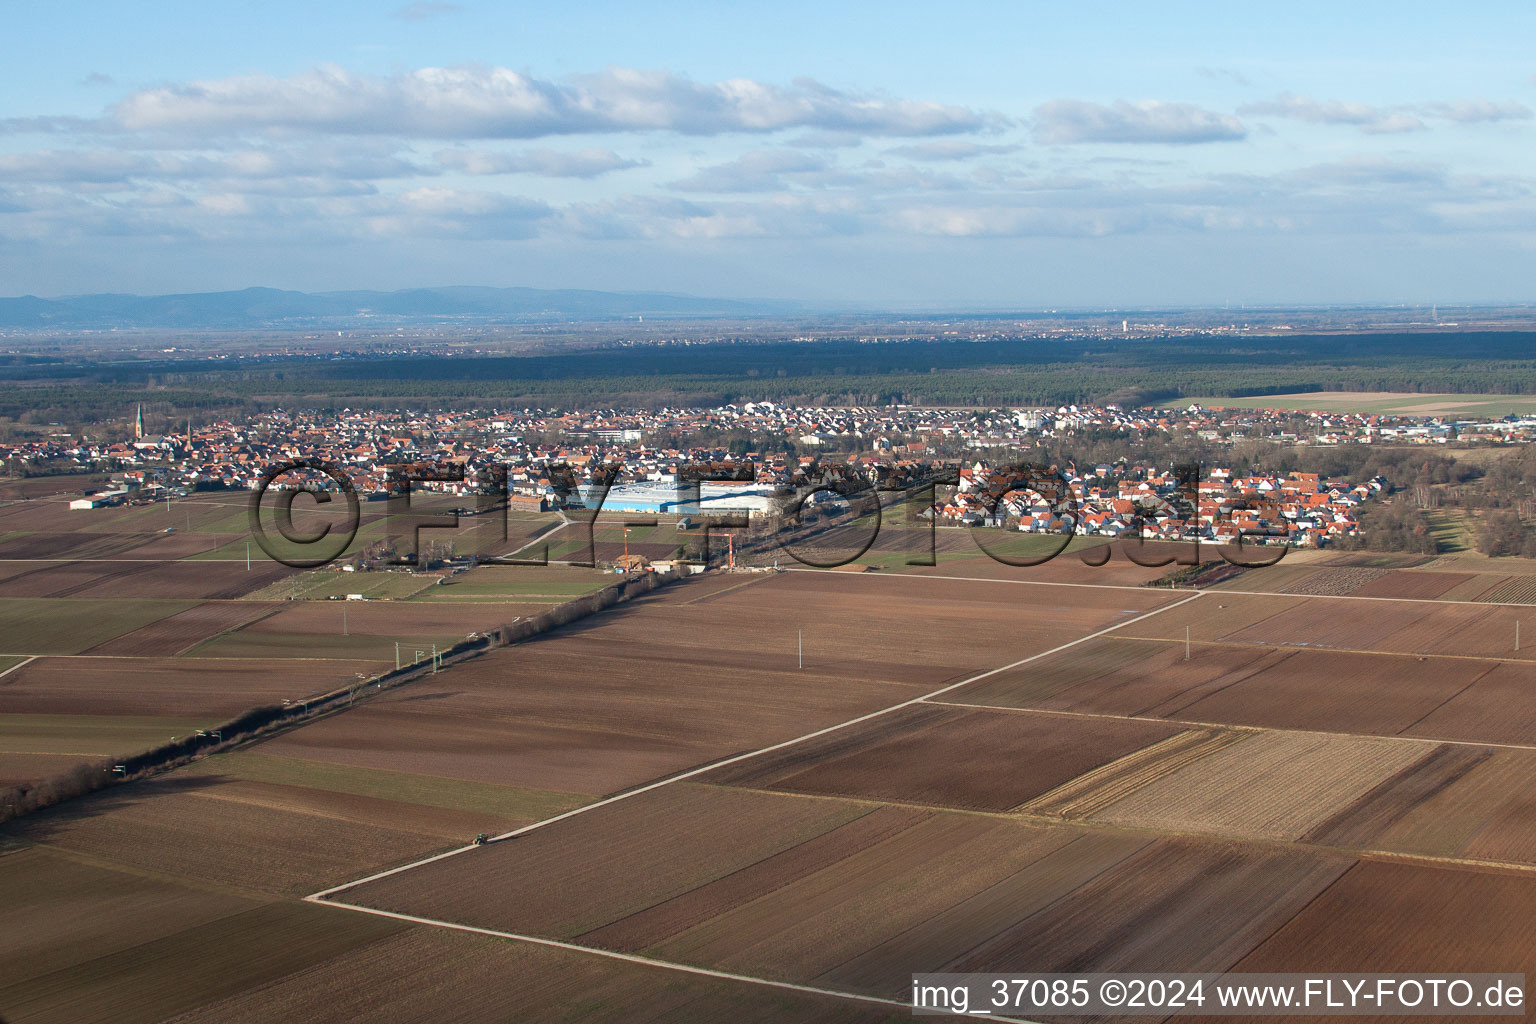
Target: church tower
{"x": 138, "y": 424}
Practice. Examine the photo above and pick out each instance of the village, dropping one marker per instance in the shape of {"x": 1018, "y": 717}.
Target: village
{"x": 776, "y": 448}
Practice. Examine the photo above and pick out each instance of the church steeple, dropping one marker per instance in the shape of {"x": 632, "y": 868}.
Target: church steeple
{"x": 138, "y": 424}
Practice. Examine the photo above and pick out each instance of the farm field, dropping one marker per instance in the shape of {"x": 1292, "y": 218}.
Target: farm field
{"x": 1373, "y": 919}
{"x": 1251, "y": 685}
{"x": 18, "y": 769}
{"x": 957, "y": 552}
{"x": 947, "y": 757}
{"x": 218, "y": 688}
{"x": 96, "y": 736}
{"x": 217, "y": 526}
{"x": 276, "y": 839}
{"x": 1277, "y": 786}
{"x": 31, "y": 626}
{"x": 417, "y": 973}
{"x": 857, "y": 901}
{"x": 149, "y": 578}
{"x": 179, "y": 633}
{"x": 557, "y": 714}
{"x": 1121, "y": 880}
{"x": 118, "y": 632}
{"x": 1399, "y": 403}
{"x": 547, "y": 584}
{"x": 860, "y": 896}
{"x": 88, "y": 942}
{"x": 1420, "y": 628}
{"x": 323, "y": 584}
{"x": 1458, "y": 802}
{"x": 584, "y": 710}
{"x": 1113, "y": 807}
{"x": 1325, "y": 579}
{"x": 358, "y": 630}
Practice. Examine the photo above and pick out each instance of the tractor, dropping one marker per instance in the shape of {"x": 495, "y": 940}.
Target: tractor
{"x": 482, "y": 839}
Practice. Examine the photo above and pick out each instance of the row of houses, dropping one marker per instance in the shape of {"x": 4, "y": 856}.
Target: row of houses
{"x": 1300, "y": 509}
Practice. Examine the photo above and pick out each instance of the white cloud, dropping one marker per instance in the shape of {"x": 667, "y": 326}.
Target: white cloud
{"x": 781, "y": 216}
{"x": 1471, "y": 111}
{"x": 1406, "y": 117}
{"x": 102, "y": 166}
{"x": 947, "y": 149}
{"x": 1369, "y": 119}
{"x": 825, "y": 140}
{"x": 760, "y": 171}
{"x": 586, "y": 163}
{"x": 1075, "y": 121}
{"x": 1235, "y": 77}
{"x": 495, "y": 102}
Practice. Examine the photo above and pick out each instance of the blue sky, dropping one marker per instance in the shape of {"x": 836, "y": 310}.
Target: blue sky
{"x": 1009, "y": 155}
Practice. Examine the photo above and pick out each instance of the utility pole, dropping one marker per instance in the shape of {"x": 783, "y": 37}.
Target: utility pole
{"x": 247, "y": 556}
{"x": 1186, "y": 643}
{"x": 800, "y": 645}
{"x": 397, "y": 655}
{"x": 434, "y": 659}
{"x": 343, "y": 620}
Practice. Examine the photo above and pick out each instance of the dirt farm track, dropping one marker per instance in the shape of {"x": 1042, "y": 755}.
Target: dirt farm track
{"x": 776, "y": 795}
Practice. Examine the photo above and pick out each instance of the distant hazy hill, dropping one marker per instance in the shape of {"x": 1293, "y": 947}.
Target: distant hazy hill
{"x": 270, "y": 307}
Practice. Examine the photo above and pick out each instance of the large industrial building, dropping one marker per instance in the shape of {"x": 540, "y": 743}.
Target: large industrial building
{"x": 666, "y": 497}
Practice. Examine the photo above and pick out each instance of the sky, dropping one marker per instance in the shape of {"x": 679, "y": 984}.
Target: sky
{"x": 1013, "y": 156}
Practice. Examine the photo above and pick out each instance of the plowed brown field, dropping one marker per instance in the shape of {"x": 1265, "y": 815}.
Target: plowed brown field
{"x": 1283, "y": 688}
{"x": 1409, "y": 917}
{"x": 217, "y": 688}
{"x": 697, "y": 671}
{"x": 415, "y": 975}
{"x": 1417, "y": 585}
{"x": 213, "y": 831}
{"x": 176, "y": 633}
{"x": 947, "y": 757}
{"x": 1497, "y": 708}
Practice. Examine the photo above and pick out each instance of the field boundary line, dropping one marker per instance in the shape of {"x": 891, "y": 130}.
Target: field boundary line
{"x": 249, "y": 620}
{"x": 756, "y": 578}
{"x": 1289, "y": 648}
{"x": 1434, "y": 710}
{"x": 646, "y": 961}
{"x": 132, "y": 561}
{"x": 887, "y": 574}
{"x": 1231, "y": 727}
{"x": 984, "y": 579}
{"x": 19, "y": 664}
{"x": 1021, "y": 815}
{"x": 193, "y": 657}
{"x": 737, "y": 758}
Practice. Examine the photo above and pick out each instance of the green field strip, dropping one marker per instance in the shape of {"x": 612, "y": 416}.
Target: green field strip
{"x": 353, "y": 647}
{"x": 325, "y": 583}
{"x": 485, "y": 587}
{"x": 91, "y": 735}
{"x": 511, "y": 802}
{"x": 69, "y": 625}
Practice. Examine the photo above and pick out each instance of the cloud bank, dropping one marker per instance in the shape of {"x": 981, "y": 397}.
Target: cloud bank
{"x": 499, "y": 103}
{"x": 1077, "y": 121}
